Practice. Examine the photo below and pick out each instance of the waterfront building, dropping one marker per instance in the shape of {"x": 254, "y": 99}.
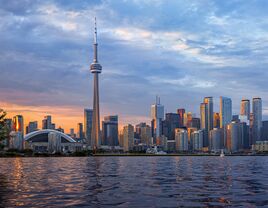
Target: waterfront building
{"x": 128, "y": 135}
{"x": 54, "y": 142}
{"x": 88, "y": 117}
{"x": 181, "y": 139}
{"x": 233, "y": 137}
{"x": 225, "y": 111}
{"x": 96, "y": 69}
{"x": 110, "y": 131}
{"x": 209, "y": 103}
{"x": 245, "y": 133}
{"x": 16, "y": 140}
{"x": 157, "y": 114}
{"x": 260, "y": 146}
{"x": 257, "y": 119}
{"x": 264, "y": 131}
{"x": 18, "y": 124}
{"x": 181, "y": 112}
{"x": 245, "y": 108}
{"x": 216, "y": 140}
{"x": 197, "y": 140}
{"x": 190, "y": 139}
{"x": 47, "y": 140}
{"x": 32, "y": 126}
{"x": 80, "y": 131}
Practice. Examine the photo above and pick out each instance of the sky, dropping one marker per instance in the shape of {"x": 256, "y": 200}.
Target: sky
{"x": 179, "y": 50}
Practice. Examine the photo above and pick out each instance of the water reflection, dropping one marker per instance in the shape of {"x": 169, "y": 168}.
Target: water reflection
{"x": 134, "y": 182}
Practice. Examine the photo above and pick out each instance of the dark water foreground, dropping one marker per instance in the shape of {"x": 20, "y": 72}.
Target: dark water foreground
{"x": 134, "y": 182}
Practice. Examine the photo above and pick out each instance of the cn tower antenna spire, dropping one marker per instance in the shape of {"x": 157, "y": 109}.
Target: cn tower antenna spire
{"x": 95, "y": 33}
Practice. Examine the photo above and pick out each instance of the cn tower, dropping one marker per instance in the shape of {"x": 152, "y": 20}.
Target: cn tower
{"x": 95, "y": 69}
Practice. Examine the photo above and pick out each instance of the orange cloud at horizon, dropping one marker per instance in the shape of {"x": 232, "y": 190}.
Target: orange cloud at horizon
{"x": 65, "y": 117}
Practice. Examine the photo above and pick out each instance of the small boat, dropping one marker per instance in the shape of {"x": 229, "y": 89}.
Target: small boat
{"x": 222, "y": 153}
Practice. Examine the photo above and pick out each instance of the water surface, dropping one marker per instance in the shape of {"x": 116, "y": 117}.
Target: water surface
{"x": 134, "y": 182}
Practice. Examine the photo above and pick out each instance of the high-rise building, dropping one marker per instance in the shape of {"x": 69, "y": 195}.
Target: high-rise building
{"x": 32, "y": 126}
{"x": 204, "y": 122}
{"x": 72, "y": 134}
{"x": 245, "y": 108}
{"x": 110, "y": 131}
{"x": 257, "y": 119}
{"x": 47, "y": 122}
{"x": 216, "y": 120}
{"x": 95, "y": 68}
{"x": 216, "y": 139}
{"x": 197, "y": 140}
{"x": 264, "y": 131}
{"x": 88, "y": 116}
{"x": 138, "y": 127}
{"x": 18, "y": 124}
{"x": 190, "y": 130}
{"x": 157, "y": 114}
{"x": 209, "y": 102}
{"x": 128, "y": 132}
{"x": 181, "y": 112}
{"x": 225, "y": 111}
{"x": 171, "y": 123}
{"x": 233, "y": 137}
{"x": 145, "y": 134}
{"x": 80, "y": 131}
{"x": 181, "y": 139}
{"x": 196, "y": 123}
{"x": 188, "y": 119}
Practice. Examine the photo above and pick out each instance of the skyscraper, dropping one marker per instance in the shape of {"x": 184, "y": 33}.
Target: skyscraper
{"x": 32, "y": 126}
{"x": 245, "y": 108}
{"x": 181, "y": 139}
{"x": 88, "y": 116}
{"x": 95, "y": 68}
{"x": 157, "y": 114}
{"x": 204, "y": 122}
{"x": 257, "y": 119}
{"x": 225, "y": 111}
{"x": 80, "y": 133}
{"x": 128, "y": 135}
{"x": 181, "y": 112}
{"x": 47, "y": 122}
{"x": 18, "y": 124}
{"x": 110, "y": 131}
{"x": 171, "y": 123}
{"x": 209, "y": 102}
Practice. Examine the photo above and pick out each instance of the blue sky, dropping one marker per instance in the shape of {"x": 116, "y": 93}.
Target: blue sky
{"x": 179, "y": 50}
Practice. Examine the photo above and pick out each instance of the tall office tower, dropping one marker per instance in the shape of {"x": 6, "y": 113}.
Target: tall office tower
{"x": 128, "y": 135}
{"x": 264, "y": 131}
{"x": 181, "y": 112}
{"x": 233, "y": 137}
{"x": 188, "y": 119}
{"x": 204, "y": 123}
{"x": 196, "y": 123}
{"x": 145, "y": 134}
{"x": 88, "y": 117}
{"x": 72, "y": 134}
{"x": 197, "y": 140}
{"x": 80, "y": 131}
{"x": 157, "y": 114}
{"x": 209, "y": 102}
{"x": 121, "y": 138}
{"x": 190, "y": 130}
{"x": 216, "y": 139}
{"x": 110, "y": 131}
{"x": 181, "y": 139}
{"x": 245, "y": 133}
{"x": 171, "y": 123}
{"x": 95, "y": 68}
{"x": 225, "y": 111}
{"x": 257, "y": 119}
{"x": 18, "y": 124}
{"x": 245, "y": 108}
{"x": 216, "y": 120}
{"x": 32, "y": 126}
{"x": 46, "y": 122}
{"x": 138, "y": 130}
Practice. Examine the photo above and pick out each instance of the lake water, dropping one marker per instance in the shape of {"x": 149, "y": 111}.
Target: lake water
{"x": 134, "y": 182}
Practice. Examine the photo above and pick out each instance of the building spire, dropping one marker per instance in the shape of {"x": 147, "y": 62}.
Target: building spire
{"x": 95, "y": 33}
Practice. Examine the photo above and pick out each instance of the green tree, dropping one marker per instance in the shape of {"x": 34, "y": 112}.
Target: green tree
{"x": 3, "y": 126}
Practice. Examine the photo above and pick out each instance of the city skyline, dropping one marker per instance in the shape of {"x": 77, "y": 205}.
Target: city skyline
{"x": 50, "y": 69}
